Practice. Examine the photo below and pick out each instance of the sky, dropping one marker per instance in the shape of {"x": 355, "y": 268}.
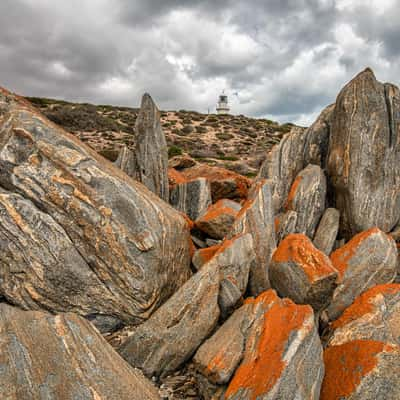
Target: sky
{"x": 279, "y": 59}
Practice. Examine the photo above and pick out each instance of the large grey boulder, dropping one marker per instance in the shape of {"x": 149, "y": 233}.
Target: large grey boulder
{"x": 81, "y": 235}
{"x": 151, "y": 151}
{"x": 364, "y": 154}
{"x": 62, "y": 357}
{"x": 328, "y": 227}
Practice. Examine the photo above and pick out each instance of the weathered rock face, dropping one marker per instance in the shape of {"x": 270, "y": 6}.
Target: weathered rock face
{"x": 369, "y": 259}
{"x": 307, "y": 198}
{"x": 123, "y": 248}
{"x": 126, "y": 161}
{"x": 283, "y": 357}
{"x": 224, "y": 184}
{"x": 375, "y": 315}
{"x": 151, "y": 151}
{"x": 192, "y": 197}
{"x": 218, "y": 219}
{"x": 285, "y": 223}
{"x": 203, "y": 256}
{"x": 325, "y": 236}
{"x": 361, "y": 370}
{"x": 219, "y": 356}
{"x": 174, "y": 332}
{"x": 62, "y": 357}
{"x": 364, "y": 154}
{"x": 300, "y": 271}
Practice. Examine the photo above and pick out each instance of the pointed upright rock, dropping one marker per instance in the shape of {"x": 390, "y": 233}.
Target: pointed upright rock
{"x": 151, "y": 152}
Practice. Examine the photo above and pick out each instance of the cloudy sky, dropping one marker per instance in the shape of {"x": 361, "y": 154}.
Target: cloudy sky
{"x": 281, "y": 59}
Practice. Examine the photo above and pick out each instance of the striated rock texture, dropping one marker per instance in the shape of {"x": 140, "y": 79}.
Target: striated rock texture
{"x": 361, "y": 370}
{"x": 328, "y": 227}
{"x": 62, "y": 357}
{"x": 126, "y": 161}
{"x": 285, "y": 223}
{"x": 256, "y": 217}
{"x": 303, "y": 273}
{"x": 375, "y": 315}
{"x": 203, "y": 256}
{"x": 364, "y": 154}
{"x": 219, "y": 356}
{"x": 218, "y": 219}
{"x": 192, "y": 197}
{"x": 307, "y": 198}
{"x": 81, "y": 227}
{"x": 369, "y": 259}
{"x": 283, "y": 357}
{"x": 173, "y": 333}
{"x": 151, "y": 151}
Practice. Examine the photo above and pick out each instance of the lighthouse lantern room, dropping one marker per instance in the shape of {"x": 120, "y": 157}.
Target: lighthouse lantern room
{"x": 222, "y": 106}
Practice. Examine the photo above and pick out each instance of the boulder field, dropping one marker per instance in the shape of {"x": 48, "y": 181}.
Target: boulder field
{"x": 131, "y": 280}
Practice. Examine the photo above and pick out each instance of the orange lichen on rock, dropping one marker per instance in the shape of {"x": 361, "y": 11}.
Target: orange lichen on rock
{"x": 208, "y": 253}
{"x": 217, "y": 209}
{"x": 292, "y": 193}
{"x": 363, "y": 304}
{"x": 260, "y": 370}
{"x": 175, "y": 177}
{"x": 298, "y": 248}
{"x": 347, "y": 364}
{"x": 341, "y": 257}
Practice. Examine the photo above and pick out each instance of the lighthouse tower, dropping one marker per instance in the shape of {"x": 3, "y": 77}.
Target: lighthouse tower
{"x": 222, "y": 105}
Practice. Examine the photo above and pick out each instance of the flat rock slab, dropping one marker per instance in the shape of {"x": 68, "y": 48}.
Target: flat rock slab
{"x": 283, "y": 357}
{"x": 218, "y": 219}
{"x": 328, "y": 227}
{"x": 361, "y": 370}
{"x": 375, "y": 315}
{"x": 174, "y": 332}
{"x": 303, "y": 273}
{"x": 62, "y": 357}
{"x": 367, "y": 260}
{"x": 134, "y": 249}
{"x": 256, "y": 217}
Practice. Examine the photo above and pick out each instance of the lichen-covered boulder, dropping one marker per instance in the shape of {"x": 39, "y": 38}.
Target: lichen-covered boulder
{"x": 303, "y": 273}
{"x": 217, "y": 220}
{"x": 364, "y": 154}
{"x": 173, "y": 333}
{"x": 256, "y": 217}
{"x": 203, "y": 256}
{"x": 191, "y": 197}
{"x": 369, "y": 259}
{"x": 150, "y": 155}
{"x": 81, "y": 235}
{"x": 62, "y": 357}
{"x": 361, "y": 370}
{"x": 328, "y": 227}
{"x": 375, "y": 315}
{"x": 307, "y": 198}
{"x": 219, "y": 356}
{"x": 283, "y": 357}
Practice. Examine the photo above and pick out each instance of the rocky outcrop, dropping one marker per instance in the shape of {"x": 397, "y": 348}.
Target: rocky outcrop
{"x": 369, "y": 259}
{"x": 328, "y": 227}
{"x": 303, "y": 273}
{"x": 218, "y": 219}
{"x": 81, "y": 235}
{"x": 285, "y": 223}
{"x": 283, "y": 357}
{"x": 361, "y": 370}
{"x": 256, "y": 217}
{"x": 151, "y": 153}
{"x": 224, "y": 184}
{"x": 364, "y": 154}
{"x": 192, "y": 197}
{"x": 174, "y": 332}
{"x": 62, "y": 357}
{"x": 373, "y": 316}
{"x": 126, "y": 161}
{"x": 307, "y": 198}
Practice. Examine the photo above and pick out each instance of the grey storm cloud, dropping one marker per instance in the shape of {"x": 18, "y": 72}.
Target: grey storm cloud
{"x": 281, "y": 59}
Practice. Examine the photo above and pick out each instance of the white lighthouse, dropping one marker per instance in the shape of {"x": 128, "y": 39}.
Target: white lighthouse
{"x": 222, "y": 105}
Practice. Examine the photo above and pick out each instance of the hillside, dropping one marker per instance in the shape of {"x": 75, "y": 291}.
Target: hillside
{"x": 237, "y": 143}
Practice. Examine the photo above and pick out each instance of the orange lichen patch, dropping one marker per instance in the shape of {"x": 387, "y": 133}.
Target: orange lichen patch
{"x": 260, "y": 370}
{"x": 218, "y": 362}
{"x": 298, "y": 248}
{"x": 208, "y": 253}
{"x": 267, "y": 298}
{"x": 341, "y": 257}
{"x": 364, "y": 304}
{"x": 347, "y": 364}
{"x": 292, "y": 193}
{"x": 276, "y": 224}
{"x": 175, "y": 177}
{"x": 218, "y": 209}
